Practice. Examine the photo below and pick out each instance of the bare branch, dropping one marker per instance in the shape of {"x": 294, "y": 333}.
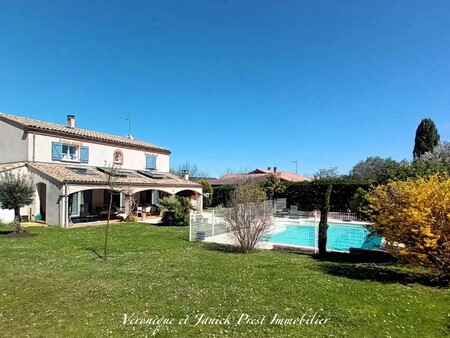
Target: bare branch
{"x": 248, "y": 218}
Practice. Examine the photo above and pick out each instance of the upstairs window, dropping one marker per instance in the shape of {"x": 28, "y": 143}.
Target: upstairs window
{"x": 118, "y": 157}
{"x": 69, "y": 152}
{"x": 150, "y": 161}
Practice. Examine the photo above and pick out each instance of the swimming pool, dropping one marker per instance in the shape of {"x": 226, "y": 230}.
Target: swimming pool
{"x": 341, "y": 236}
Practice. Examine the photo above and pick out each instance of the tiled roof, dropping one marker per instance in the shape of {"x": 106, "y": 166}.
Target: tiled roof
{"x": 257, "y": 175}
{"x": 238, "y": 179}
{"x": 286, "y": 175}
{"x": 11, "y": 166}
{"x": 92, "y": 175}
{"x": 33, "y": 124}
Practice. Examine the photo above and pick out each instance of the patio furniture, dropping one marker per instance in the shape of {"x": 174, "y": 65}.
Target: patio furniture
{"x": 139, "y": 212}
{"x": 294, "y": 215}
{"x": 283, "y": 213}
{"x": 293, "y": 208}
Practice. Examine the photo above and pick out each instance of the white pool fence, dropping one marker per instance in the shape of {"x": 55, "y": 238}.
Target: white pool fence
{"x": 209, "y": 224}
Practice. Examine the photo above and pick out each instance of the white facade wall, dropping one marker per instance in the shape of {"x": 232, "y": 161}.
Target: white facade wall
{"x": 54, "y": 200}
{"x": 6, "y": 216}
{"x": 100, "y": 155}
{"x": 13, "y": 144}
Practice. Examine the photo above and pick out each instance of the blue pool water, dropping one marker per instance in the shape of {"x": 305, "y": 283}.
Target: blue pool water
{"x": 341, "y": 237}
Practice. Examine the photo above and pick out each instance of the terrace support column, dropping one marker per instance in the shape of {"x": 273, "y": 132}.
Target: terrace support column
{"x": 127, "y": 204}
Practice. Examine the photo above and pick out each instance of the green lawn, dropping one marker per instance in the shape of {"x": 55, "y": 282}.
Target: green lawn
{"x": 52, "y": 285}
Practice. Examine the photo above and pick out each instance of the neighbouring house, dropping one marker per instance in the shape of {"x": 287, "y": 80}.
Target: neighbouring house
{"x": 257, "y": 176}
{"x": 70, "y": 168}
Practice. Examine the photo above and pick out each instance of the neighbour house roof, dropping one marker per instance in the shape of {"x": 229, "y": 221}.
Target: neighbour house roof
{"x": 92, "y": 175}
{"x": 257, "y": 175}
{"x": 238, "y": 179}
{"x": 54, "y": 128}
{"x": 284, "y": 175}
{"x": 11, "y": 166}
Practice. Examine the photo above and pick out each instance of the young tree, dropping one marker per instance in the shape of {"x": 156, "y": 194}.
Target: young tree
{"x": 439, "y": 155}
{"x": 111, "y": 182}
{"x": 420, "y": 167}
{"x": 414, "y": 218}
{"x": 273, "y": 187}
{"x": 131, "y": 204}
{"x": 194, "y": 171}
{"x": 370, "y": 168}
{"x": 427, "y": 138}
{"x": 325, "y": 174}
{"x": 358, "y": 204}
{"x": 323, "y": 224}
{"x": 207, "y": 189}
{"x": 241, "y": 170}
{"x": 248, "y": 217}
{"x": 16, "y": 191}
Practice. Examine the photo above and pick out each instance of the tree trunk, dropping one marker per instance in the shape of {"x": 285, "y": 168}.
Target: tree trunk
{"x": 107, "y": 226}
{"x": 323, "y": 224}
{"x": 17, "y": 227}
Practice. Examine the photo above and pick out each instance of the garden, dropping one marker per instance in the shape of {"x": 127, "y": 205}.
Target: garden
{"x": 53, "y": 285}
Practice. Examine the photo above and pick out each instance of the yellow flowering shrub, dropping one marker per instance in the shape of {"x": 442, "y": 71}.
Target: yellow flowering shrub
{"x": 414, "y": 218}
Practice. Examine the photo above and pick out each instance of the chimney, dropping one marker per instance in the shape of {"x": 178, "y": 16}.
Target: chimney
{"x": 274, "y": 169}
{"x": 269, "y": 168}
{"x": 185, "y": 174}
{"x": 71, "y": 121}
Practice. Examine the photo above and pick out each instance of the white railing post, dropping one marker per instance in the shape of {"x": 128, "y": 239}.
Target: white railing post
{"x": 213, "y": 222}
{"x": 190, "y": 226}
{"x": 316, "y": 233}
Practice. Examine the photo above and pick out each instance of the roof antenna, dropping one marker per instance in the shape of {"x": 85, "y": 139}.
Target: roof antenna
{"x": 129, "y": 125}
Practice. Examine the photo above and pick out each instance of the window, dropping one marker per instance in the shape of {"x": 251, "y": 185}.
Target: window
{"x": 69, "y": 152}
{"x": 150, "y": 161}
{"x": 118, "y": 157}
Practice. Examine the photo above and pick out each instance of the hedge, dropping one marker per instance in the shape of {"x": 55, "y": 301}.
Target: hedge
{"x": 222, "y": 195}
{"x": 308, "y": 195}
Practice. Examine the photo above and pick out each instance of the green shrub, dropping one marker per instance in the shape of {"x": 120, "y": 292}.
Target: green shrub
{"x": 176, "y": 210}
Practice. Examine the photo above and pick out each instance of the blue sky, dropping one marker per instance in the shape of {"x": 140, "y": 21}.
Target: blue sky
{"x": 235, "y": 84}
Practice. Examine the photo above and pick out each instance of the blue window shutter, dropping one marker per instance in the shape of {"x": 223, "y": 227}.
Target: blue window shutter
{"x": 84, "y": 154}
{"x": 150, "y": 162}
{"x": 56, "y": 151}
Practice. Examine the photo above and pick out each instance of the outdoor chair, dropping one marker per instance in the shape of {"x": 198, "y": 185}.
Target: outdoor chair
{"x": 294, "y": 215}
{"x": 139, "y": 212}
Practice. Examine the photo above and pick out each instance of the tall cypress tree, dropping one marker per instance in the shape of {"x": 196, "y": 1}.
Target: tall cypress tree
{"x": 323, "y": 224}
{"x": 427, "y": 138}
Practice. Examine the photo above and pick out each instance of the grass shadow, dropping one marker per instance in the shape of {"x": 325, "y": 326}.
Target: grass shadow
{"x": 382, "y": 274}
{"x": 220, "y": 247}
{"x": 168, "y": 225}
{"x": 91, "y": 249}
{"x": 373, "y": 266}
{"x": 366, "y": 257}
{"x": 12, "y": 234}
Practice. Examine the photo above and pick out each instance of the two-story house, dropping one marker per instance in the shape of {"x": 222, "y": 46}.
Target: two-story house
{"x": 71, "y": 170}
